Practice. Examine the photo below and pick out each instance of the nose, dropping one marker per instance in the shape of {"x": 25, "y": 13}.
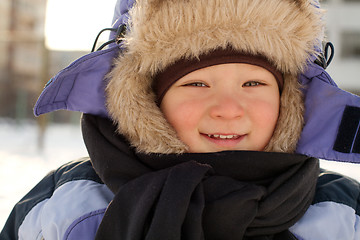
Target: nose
{"x": 227, "y": 107}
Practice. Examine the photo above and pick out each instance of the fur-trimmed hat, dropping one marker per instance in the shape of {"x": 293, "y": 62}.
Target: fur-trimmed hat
{"x": 161, "y": 32}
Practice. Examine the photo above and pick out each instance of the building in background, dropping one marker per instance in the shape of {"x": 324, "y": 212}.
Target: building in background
{"x": 25, "y": 62}
{"x": 21, "y": 46}
{"x": 343, "y": 30}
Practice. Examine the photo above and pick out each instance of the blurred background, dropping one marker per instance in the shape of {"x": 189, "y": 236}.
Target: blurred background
{"x": 40, "y": 37}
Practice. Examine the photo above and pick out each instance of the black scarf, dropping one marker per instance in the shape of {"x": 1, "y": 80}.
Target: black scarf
{"x": 225, "y": 195}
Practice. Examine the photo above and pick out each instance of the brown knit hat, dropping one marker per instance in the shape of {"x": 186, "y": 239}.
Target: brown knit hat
{"x": 166, "y": 78}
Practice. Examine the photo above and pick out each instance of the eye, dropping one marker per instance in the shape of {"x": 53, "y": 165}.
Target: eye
{"x": 252, "y": 84}
{"x": 195, "y": 84}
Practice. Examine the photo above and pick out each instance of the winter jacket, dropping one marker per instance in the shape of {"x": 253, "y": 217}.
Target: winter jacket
{"x": 70, "y": 202}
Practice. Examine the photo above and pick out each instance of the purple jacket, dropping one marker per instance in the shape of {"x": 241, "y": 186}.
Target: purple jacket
{"x": 70, "y": 202}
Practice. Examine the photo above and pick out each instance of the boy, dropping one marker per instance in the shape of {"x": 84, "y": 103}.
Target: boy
{"x": 202, "y": 130}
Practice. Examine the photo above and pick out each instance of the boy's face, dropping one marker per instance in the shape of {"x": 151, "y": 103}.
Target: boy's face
{"x": 224, "y": 107}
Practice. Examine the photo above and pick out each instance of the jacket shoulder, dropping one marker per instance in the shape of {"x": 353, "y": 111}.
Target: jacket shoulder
{"x": 56, "y": 199}
{"x": 338, "y": 188}
{"x": 334, "y": 213}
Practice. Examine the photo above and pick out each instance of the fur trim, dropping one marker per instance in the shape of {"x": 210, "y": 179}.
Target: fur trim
{"x": 160, "y": 32}
{"x": 291, "y": 118}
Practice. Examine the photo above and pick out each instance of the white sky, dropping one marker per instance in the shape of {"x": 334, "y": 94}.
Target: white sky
{"x": 74, "y": 24}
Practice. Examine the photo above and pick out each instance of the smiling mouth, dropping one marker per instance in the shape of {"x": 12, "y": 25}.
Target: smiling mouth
{"x": 224, "y": 137}
{"x": 222, "y": 142}
{"x": 225, "y": 141}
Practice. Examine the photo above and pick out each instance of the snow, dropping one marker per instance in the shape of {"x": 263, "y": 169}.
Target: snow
{"x": 22, "y": 165}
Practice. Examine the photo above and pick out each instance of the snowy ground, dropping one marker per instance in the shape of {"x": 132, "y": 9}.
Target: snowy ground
{"x": 22, "y": 165}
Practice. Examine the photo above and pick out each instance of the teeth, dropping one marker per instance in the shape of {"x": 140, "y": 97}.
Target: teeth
{"x": 222, "y": 136}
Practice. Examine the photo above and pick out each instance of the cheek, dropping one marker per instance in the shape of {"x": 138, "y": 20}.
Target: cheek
{"x": 264, "y": 122}
{"x": 270, "y": 114}
{"x": 266, "y": 113}
{"x": 183, "y": 115}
